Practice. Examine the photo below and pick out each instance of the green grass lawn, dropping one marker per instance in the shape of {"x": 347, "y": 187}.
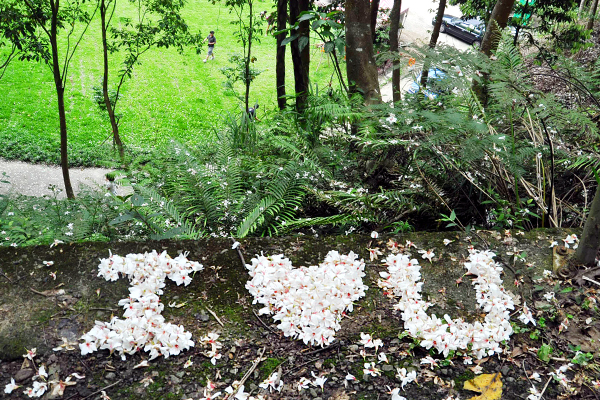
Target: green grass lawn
{"x": 170, "y": 96}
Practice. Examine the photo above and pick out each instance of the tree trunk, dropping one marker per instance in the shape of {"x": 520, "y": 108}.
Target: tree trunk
{"x": 522, "y": 23}
{"x": 280, "y": 61}
{"x": 497, "y": 22}
{"x": 248, "y": 57}
{"x": 433, "y": 42}
{"x": 590, "y": 239}
{"x": 590, "y": 24}
{"x": 516, "y": 37}
{"x": 374, "y": 10}
{"x": 491, "y": 39}
{"x": 360, "y": 64}
{"x": 60, "y": 94}
{"x": 581, "y": 7}
{"x": 395, "y": 49}
{"x": 107, "y": 103}
{"x": 300, "y": 56}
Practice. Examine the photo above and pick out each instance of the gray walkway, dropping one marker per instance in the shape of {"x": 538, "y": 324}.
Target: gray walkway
{"x": 34, "y": 179}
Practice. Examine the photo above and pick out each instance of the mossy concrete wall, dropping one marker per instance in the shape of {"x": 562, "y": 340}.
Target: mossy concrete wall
{"x": 33, "y": 315}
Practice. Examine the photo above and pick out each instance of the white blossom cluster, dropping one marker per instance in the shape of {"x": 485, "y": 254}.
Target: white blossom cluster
{"x": 143, "y": 327}
{"x": 446, "y": 334}
{"x": 40, "y": 382}
{"x": 308, "y": 302}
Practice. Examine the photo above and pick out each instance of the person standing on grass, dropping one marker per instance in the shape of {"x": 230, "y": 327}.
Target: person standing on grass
{"x": 212, "y": 40}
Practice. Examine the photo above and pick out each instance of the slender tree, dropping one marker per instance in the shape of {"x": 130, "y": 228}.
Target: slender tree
{"x": 282, "y": 6}
{"x": 593, "y": 10}
{"x": 158, "y": 25}
{"x": 395, "y": 48}
{"x": 247, "y": 33}
{"x": 360, "y": 63}
{"x": 300, "y": 50}
{"x": 581, "y": 7}
{"x": 433, "y": 41}
{"x": 491, "y": 39}
{"x": 107, "y": 101}
{"x": 51, "y": 17}
{"x": 373, "y": 12}
{"x": 498, "y": 21}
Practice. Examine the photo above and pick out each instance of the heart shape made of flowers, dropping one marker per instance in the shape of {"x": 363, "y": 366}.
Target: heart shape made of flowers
{"x": 308, "y": 302}
{"x": 403, "y": 280}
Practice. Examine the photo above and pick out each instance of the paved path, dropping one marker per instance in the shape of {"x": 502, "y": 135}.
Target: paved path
{"x": 34, "y": 179}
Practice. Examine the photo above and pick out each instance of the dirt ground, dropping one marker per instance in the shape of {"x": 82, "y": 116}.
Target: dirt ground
{"x": 31, "y": 315}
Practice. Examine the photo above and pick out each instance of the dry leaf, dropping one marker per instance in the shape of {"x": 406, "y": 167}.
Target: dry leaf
{"x": 58, "y": 387}
{"x": 517, "y": 351}
{"x": 143, "y": 364}
{"x": 146, "y": 381}
{"x": 489, "y": 385}
{"x": 49, "y": 293}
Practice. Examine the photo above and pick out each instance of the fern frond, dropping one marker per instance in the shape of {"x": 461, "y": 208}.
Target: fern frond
{"x": 284, "y": 196}
{"x": 333, "y": 220}
{"x": 168, "y": 210}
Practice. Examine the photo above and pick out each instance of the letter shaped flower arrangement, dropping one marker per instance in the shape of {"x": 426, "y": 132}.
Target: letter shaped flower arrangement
{"x": 402, "y": 280}
{"x": 310, "y": 301}
{"x": 143, "y": 327}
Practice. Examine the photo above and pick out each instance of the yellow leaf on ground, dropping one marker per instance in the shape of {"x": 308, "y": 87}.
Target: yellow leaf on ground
{"x": 489, "y": 385}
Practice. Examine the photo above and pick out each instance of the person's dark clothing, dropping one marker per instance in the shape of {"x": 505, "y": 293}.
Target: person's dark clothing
{"x": 252, "y": 113}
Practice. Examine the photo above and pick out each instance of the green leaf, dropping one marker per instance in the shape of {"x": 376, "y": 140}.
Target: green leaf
{"x": 122, "y": 218}
{"x": 329, "y": 47}
{"x": 137, "y": 200}
{"x": 171, "y": 233}
{"x": 596, "y": 175}
{"x": 544, "y": 352}
{"x": 306, "y": 16}
{"x": 316, "y": 24}
{"x": 289, "y": 39}
{"x": 582, "y": 358}
{"x": 303, "y": 42}
{"x": 567, "y": 290}
{"x": 281, "y": 31}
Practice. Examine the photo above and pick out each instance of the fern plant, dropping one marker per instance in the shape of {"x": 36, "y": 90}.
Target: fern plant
{"x": 226, "y": 196}
{"x": 471, "y": 160}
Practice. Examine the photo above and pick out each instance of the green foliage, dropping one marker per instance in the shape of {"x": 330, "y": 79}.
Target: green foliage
{"x": 545, "y": 352}
{"x": 491, "y": 167}
{"x": 31, "y": 221}
{"x": 226, "y": 197}
{"x": 581, "y": 358}
{"x": 236, "y": 72}
{"x": 98, "y": 97}
{"x": 330, "y": 30}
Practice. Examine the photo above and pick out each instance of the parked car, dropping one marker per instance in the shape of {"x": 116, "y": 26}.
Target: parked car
{"x": 469, "y": 30}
